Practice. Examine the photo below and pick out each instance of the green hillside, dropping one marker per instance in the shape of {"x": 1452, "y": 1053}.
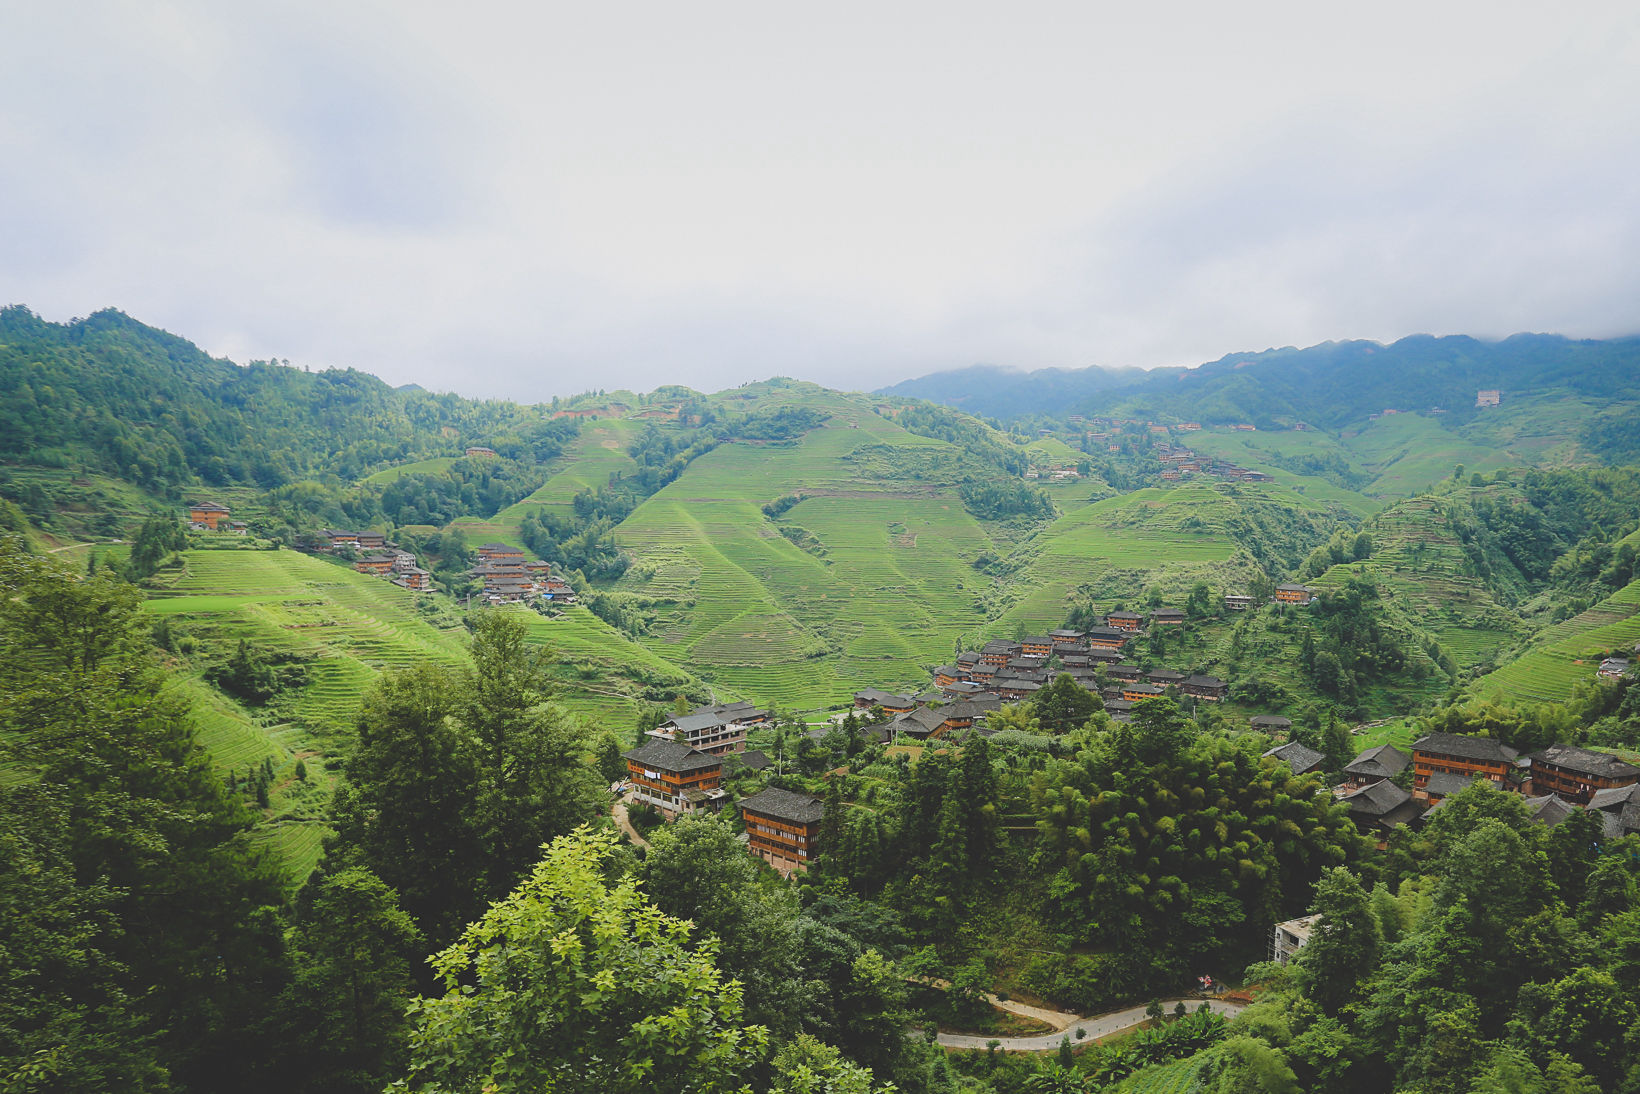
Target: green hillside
{"x": 1567, "y": 654}
{"x": 345, "y": 628}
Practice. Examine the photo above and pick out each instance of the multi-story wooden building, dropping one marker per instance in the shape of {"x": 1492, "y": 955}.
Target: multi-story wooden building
{"x": 999, "y": 652}
{"x": 206, "y": 515}
{"x": 1036, "y": 646}
{"x": 1461, "y": 755}
{"x": 496, "y": 552}
{"x": 675, "y": 778}
{"x": 1138, "y": 692}
{"x": 1237, "y": 602}
{"x": 1106, "y": 638}
{"x": 782, "y": 828}
{"x": 891, "y": 702}
{"x": 715, "y": 730}
{"x": 1167, "y": 617}
{"x": 374, "y": 564}
{"x": 1576, "y": 773}
{"x": 1210, "y": 688}
{"x": 1125, "y": 621}
{"x": 1294, "y": 594}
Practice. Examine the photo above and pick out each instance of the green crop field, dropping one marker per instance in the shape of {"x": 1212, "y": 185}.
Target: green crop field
{"x": 418, "y": 467}
{"x": 1175, "y": 1077}
{"x": 1408, "y": 453}
{"x": 1568, "y": 653}
{"x": 1259, "y": 451}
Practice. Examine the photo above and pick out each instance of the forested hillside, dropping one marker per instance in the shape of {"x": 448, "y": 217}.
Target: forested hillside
{"x": 1068, "y": 713}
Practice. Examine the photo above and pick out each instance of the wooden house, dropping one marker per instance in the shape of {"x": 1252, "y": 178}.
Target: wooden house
{"x": 1461, "y": 755}
{"x": 783, "y": 828}
{"x": 374, "y": 541}
{"x": 1036, "y": 646}
{"x": 1294, "y": 594}
{"x": 1016, "y": 690}
{"x": 415, "y": 578}
{"x": 1065, "y": 635}
{"x": 1620, "y": 810}
{"x": 374, "y": 564}
{"x": 1237, "y": 602}
{"x": 1273, "y": 724}
{"x": 1375, "y": 765}
{"x": 1612, "y": 668}
{"x": 1139, "y": 692}
{"x": 1301, "y": 758}
{"x": 998, "y": 652}
{"x": 1167, "y": 617}
{"x": 1125, "y": 672}
{"x": 1210, "y": 688}
{"x": 891, "y": 702}
{"x": 1576, "y": 773}
{"x": 499, "y": 551}
{"x": 339, "y": 537}
{"x": 478, "y": 450}
{"x": 944, "y": 676}
{"x": 1125, "y": 621}
{"x": 675, "y": 778}
{"x": 1165, "y": 678}
{"x": 1381, "y": 807}
{"x": 206, "y": 515}
{"x": 1106, "y": 638}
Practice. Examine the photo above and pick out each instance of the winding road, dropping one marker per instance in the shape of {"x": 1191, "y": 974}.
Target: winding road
{"x": 1094, "y": 1027}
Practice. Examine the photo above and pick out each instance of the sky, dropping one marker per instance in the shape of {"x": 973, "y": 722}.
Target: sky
{"x": 534, "y": 200}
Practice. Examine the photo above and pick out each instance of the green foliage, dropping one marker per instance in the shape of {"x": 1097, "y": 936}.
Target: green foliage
{"x": 158, "y": 537}
{"x": 142, "y": 934}
{"x": 578, "y": 983}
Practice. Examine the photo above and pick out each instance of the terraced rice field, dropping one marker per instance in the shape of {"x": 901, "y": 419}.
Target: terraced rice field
{"x": 1255, "y": 451}
{"x": 1176, "y": 1077}
{"x": 1114, "y": 547}
{"x": 886, "y": 587}
{"x": 1410, "y": 452}
{"x": 1419, "y": 564}
{"x": 1568, "y": 653}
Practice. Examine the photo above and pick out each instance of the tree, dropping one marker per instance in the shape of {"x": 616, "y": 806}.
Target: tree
{"x": 576, "y": 983}
{"x": 532, "y": 785}
{"x": 343, "y": 1014}
{"x": 406, "y": 810}
{"x": 1343, "y": 947}
{"x": 1063, "y": 705}
{"x": 697, "y": 870}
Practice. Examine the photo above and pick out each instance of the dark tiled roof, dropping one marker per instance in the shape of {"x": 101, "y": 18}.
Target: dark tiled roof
{"x": 1586, "y": 762}
{"x": 1000, "y": 646}
{"x": 1270, "y": 721}
{"x": 1199, "y": 681}
{"x": 1465, "y": 747}
{"x": 876, "y": 696}
{"x": 1443, "y": 784}
{"x": 1376, "y": 800}
{"x": 1164, "y": 676}
{"x": 1297, "y": 756}
{"x": 920, "y": 722}
{"x": 663, "y": 755}
{"x": 1614, "y": 797}
{"x": 1383, "y": 761}
{"x": 1167, "y": 613}
{"x": 696, "y": 723}
{"x": 754, "y": 759}
{"x": 785, "y": 805}
{"x": 1550, "y": 809}
{"x": 1036, "y": 640}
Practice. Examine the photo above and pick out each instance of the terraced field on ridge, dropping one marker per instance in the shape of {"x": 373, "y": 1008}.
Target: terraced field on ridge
{"x": 1568, "y": 653}
{"x": 1419, "y": 564}
{"x": 885, "y": 585}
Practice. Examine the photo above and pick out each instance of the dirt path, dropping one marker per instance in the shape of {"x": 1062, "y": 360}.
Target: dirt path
{"x": 1099, "y": 1025}
{"x": 1058, "y": 1019}
{"x": 624, "y": 823}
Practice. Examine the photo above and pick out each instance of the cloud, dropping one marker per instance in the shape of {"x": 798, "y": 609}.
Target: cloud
{"x": 533, "y": 200}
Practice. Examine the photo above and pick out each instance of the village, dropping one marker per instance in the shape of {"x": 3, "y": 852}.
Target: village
{"x": 680, "y": 767}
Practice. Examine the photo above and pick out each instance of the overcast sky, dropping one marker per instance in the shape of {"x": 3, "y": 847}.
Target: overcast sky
{"x": 529, "y": 200}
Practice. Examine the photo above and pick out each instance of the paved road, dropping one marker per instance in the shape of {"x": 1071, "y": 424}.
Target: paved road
{"x": 1099, "y": 1025}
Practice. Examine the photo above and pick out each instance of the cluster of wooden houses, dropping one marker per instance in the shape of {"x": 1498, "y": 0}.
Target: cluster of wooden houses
{"x": 375, "y": 554}
{"x": 509, "y": 579}
{"x": 1555, "y": 781}
{"x": 1179, "y": 462}
{"x": 679, "y": 770}
{"x": 1004, "y": 671}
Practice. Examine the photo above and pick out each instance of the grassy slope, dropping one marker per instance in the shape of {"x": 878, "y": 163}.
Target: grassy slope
{"x": 1409, "y": 452}
{"x": 596, "y": 453}
{"x": 419, "y": 467}
{"x": 1567, "y": 653}
{"x": 1254, "y": 451}
{"x": 1418, "y": 564}
{"x": 761, "y": 616}
{"x": 353, "y": 626}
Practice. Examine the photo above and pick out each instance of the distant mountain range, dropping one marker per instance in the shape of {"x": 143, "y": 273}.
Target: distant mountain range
{"x": 1327, "y": 386}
